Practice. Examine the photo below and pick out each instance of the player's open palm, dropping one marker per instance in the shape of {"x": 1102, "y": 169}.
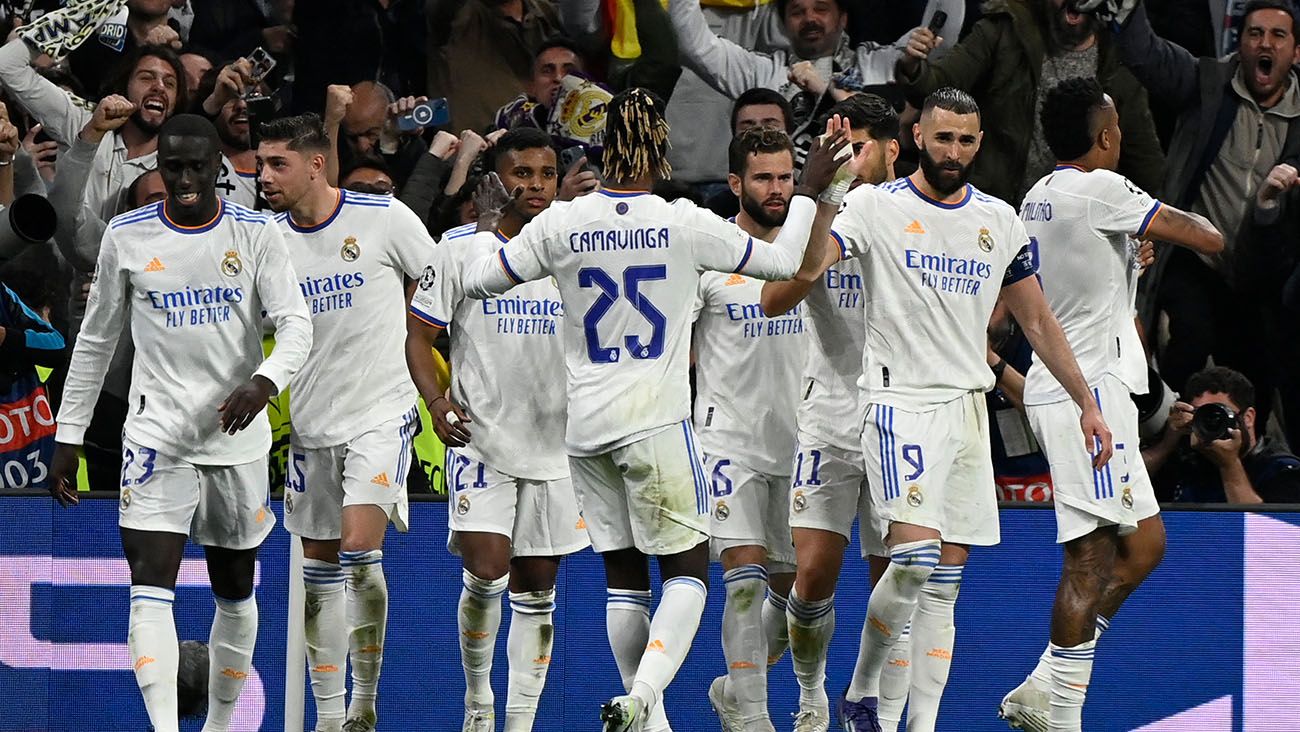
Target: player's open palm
{"x": 1097, "y": 437}
{"x": 63, "y": 474}
{"x": 824, "y": 159}
{"x": 244, "y": 404}
{"x": 450, "y": 421}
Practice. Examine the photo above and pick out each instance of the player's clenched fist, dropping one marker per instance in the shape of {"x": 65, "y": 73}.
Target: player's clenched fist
{"x": 450, "y": 421}
{"x": 245, "y": 403}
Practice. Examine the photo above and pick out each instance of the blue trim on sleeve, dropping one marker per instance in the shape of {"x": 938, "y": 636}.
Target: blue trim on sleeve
{"x": 501, "y": 256}
{"x": 1151, "y": 215}
{"x": 749, "y": 249}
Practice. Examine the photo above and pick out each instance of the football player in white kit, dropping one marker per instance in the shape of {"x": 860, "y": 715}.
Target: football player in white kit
{"x": 350, "y": 448}
{"x": 1084, "y": 222}
{"x": 513, "y": 513}
{"x": 194, "y": 275}
{"x": 747, "y": 385}
{"x": 627, "y": 264}
{"x": 936, "y": 254}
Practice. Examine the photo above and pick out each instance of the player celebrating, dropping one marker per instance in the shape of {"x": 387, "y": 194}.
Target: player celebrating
{"x": 513, "y": 513}
{"x": 936, "y": 254}
{"x": 747, "y": 372}
{"x": 350, "y": 448}
{"x": 627, "y": 264}
{"x": 1084, "y": 219}
{"x": 194, "y": 275}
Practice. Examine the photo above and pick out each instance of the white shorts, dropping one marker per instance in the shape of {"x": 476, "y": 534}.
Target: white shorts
{"x": 215, "y": 505}
{"x": 369, "y": 470}
{"x": 1120, "y": 494}
{"x": 651, "y": 494}
{"x": 934, "y": 469}
{"x": 829, "y": 491}
{"x": 540, "y": 517}
{"x": 749, "y": 509}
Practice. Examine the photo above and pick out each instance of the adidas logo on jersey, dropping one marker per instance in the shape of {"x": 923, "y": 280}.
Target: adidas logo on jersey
{"x": 381, "y": 479}
{"x": 656, "y": 645}
{"x": 154, "y": 265}
{"x": 914, "y": 228}
{"x": 735, "y": 279}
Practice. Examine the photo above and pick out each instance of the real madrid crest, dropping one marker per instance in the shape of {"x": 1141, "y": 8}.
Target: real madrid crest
{"x": 126, "y": 498}
{"x": 288, "y": 502}
{"x": 1127, "y": 499}
{"x": 800, "y": 501}
{"x": 720, "y": 511}
{"x": 350, "y": 250}
{"x": 914, "y": 497}
{"x": 426, "y": 279}
{"x": 230, "y": 265}
{"x": 462, "y": 505}
{"x": 986, "y": 241}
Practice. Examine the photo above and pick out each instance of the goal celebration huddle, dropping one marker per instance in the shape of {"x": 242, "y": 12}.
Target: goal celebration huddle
{"x": 639, "y": 376}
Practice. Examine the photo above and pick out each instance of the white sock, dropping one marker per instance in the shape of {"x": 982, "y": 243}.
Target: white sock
{"x": 744, "y": 645}
{"x": 230, "y": 656}
{"x": 1071, "y": 672}
{"x": 1042, "y": 673}
{"x": 896, "y": 681}
{"x": 479, "y": 618}
{"x": 672, "y": 631}
{"x": 893, "y": 600}
{"x": 627, "y": 625}
{"x": 326, "y": 630}
{"x": 367, "y": 613}
{"x": 775, "y": 627}
{"x": 155, "y": 653}
{"x": 528, "y": 646}
{"x": 812, "y": 623}
{"x": 933, "y": 634}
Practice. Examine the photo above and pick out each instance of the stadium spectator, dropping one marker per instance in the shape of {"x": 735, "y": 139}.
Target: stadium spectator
{"x": 1013, "y": 55}
{"x": 197, "y": 66}
{"x": 820, "y": 69}
{"x": 1196, "y": 463}
{"x": 368, "y": 175}
{"x": 151, "y": 79}
{"x": 1237, "y": 117}
{"x": 363, "y": 122}
{"x": 423, "y": 189}
{"x": 95, "y": 60}
{"x": 480, "y": 53}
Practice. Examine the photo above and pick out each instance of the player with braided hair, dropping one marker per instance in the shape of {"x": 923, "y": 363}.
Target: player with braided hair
{"x": 628, "y": 264}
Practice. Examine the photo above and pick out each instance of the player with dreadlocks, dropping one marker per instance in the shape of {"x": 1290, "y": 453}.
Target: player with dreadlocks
{"x": 628, "y": 264}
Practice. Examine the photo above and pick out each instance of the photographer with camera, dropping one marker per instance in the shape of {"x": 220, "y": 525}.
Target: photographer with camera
{"x": 1209, "y": 452}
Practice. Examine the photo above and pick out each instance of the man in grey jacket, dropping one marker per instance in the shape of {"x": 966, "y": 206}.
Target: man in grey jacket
{"x": 1239, "y": 115}
{"x": 821, "y": 68}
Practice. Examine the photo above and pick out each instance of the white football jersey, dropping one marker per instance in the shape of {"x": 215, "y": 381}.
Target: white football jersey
{"x": 932, "y": 272}
{"x": 832, "y": 313}
{"x": 627, "y": 265}
{"x": 350, "y": 271}
{"x": 1081, "y": 226}
{"x": 747, "y": 369}
{"x": 238, "y": 186}
{"x": 195, "y": 297}
{"x": 507, "y": 360}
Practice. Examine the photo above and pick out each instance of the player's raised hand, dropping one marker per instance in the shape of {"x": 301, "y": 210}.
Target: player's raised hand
{"x": 63, "y": 474}
{"x": 450, "y": 421}
{"x": 1097, "y": 437}
{"x": 244, "y": 404}
{"x": 579, "y": 180}
{"x": 825, "y": 158}
{"x": 491, "y": 199}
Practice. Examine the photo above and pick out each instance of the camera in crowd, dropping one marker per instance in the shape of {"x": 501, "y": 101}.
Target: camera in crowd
{"x": 1212, "y": 422}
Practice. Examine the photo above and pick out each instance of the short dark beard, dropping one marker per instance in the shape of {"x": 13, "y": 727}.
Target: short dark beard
{"x": 1062, "y": 36}
{"x": 932, "y": 171}
{"x": 231, "y": 139}
{"x": 148, "y": 128}
{"x": 754, "y": 208}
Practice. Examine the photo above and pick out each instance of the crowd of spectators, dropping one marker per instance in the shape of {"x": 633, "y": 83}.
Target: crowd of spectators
{"x": 1207, "y": 93}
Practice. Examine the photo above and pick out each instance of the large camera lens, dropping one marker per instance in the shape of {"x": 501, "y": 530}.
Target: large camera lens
{"x": 1212, "y": 421}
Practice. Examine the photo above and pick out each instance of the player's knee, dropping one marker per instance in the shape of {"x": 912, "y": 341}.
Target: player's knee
{"x": 912, "y": 563}
{"x": 739, "y": 556}
{"x": 817, "y": 582}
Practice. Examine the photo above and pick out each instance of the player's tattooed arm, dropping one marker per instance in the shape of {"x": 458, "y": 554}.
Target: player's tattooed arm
{"x": 1185, "y": 228}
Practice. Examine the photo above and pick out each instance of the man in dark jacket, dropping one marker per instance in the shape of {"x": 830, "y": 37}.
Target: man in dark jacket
{"x": 1012, "y": 56}
{"x": 1239, "y": 115}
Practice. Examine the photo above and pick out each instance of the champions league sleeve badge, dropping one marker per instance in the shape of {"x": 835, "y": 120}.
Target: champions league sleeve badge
{"x": 427, "y": 279}
{"x": 230, "y": 265}
{"x": 985, "y": 240}
{"x": 350, "y": 250}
